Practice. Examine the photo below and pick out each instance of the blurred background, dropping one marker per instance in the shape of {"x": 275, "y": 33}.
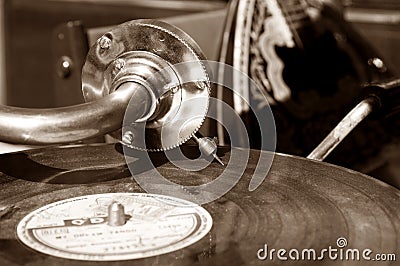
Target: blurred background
{"x": 29, "y": 30}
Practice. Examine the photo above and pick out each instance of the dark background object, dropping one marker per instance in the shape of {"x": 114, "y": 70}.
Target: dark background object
{"x": 379, "y": 22}
{"x": 29, "y": 27}
{"x": 375, "y": 4}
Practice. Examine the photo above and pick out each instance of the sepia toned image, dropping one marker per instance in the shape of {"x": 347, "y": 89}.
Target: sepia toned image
{"x": 199, "y": 132}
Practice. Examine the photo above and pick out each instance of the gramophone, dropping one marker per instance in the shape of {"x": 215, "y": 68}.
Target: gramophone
{"x": 147, "y": 84}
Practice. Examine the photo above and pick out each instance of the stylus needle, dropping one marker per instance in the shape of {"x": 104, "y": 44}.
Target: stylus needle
{"x": 218, "y": 159}
{"x": 208, "y": 147}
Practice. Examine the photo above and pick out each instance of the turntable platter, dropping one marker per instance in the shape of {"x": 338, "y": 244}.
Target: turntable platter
{"x": 302, "y": 204}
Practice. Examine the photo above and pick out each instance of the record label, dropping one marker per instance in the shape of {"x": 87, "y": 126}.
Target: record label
{"x": 78, "y": 228}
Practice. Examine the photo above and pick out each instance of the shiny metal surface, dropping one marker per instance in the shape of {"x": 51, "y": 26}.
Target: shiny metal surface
{"x": 116, "y": 214}
{"x": 132, "y": 63}
{"x": 381, "y": 95}
{"x": 151, "y": 53}
{"x": 350, "y": 122}
{"x": 67, "y": 124}
{"x": 208, "y": 147}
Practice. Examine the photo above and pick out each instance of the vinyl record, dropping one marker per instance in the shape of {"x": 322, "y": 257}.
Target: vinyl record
{"x": 301, "y": 205}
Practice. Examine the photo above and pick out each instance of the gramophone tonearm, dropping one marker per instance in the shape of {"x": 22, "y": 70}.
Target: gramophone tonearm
{"x": 135, "y": 62}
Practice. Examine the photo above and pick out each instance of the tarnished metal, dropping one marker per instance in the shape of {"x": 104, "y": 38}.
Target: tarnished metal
{"x": 380, "y": 95}
{"x": 68, "y": 124}
{"x": 208, "y": 147}
{"x": 133, "y": 63}
{"x": 116, "y": 214}
{"x": 151, "y": 53}
{"x": 352, "y": 119}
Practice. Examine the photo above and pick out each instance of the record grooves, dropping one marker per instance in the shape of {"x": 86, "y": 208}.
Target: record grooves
{"x": 301, "y": 204}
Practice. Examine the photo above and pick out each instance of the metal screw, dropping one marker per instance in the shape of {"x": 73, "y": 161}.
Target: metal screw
{"x": 202, "y": 85}
{"x": 64, "y": 67}
{"x": 174, "y": 88}
{"x": 105, "y": 43}
{"x": 378, "y": 63}
{"x": 127, "y": 138}
{"x": 119, "y": 64}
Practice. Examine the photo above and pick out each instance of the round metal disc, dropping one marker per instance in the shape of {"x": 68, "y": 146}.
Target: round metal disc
{"x": 179, "y": 121}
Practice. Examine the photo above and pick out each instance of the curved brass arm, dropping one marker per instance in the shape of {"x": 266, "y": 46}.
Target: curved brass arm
{"x": 138, "y": 60}
{"x": 70, "y": 124}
